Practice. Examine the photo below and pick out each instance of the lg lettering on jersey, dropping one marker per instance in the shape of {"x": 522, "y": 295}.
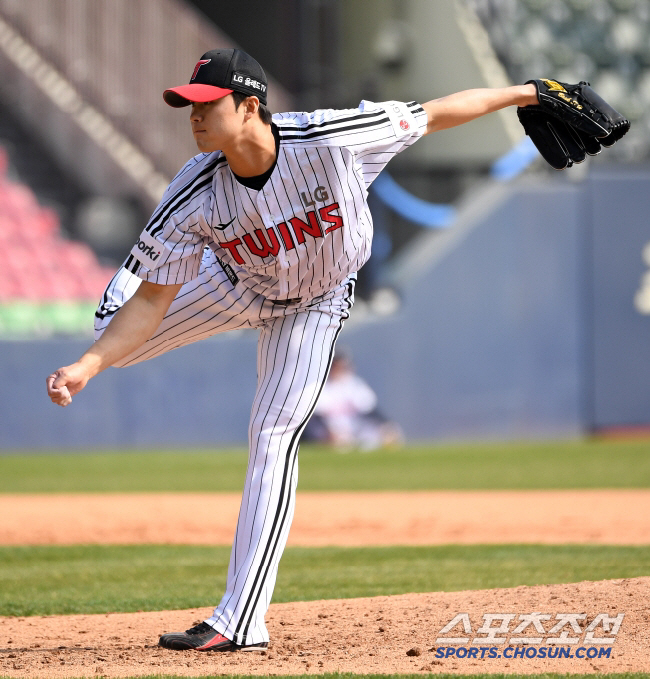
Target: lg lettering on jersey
{"x": 268, "y": 244}
{"x": 320, "y": 194}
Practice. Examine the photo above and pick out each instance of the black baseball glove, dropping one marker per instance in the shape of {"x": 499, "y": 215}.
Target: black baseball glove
{"x": 570, "y": 122}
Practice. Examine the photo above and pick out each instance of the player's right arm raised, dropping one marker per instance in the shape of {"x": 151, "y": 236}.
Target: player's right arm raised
{"x": 132, "y": 326}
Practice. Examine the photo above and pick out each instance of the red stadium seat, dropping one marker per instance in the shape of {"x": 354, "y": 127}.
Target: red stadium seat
{"x": 36, "y": 263}
{"x": 10, "y": 288}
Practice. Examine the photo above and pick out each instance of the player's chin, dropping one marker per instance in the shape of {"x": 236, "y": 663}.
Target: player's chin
{"x": 204, "y": 145}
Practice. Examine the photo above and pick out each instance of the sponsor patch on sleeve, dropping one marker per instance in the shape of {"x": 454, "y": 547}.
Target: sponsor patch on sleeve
{"x": 147, "y": 250}
{"x": 401, "y": 118}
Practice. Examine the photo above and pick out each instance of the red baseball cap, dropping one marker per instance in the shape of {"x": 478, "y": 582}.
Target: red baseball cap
{"x": 219, "y": 73}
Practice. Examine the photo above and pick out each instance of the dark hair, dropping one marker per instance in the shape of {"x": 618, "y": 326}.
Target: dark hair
{"x": 264, "y": 112}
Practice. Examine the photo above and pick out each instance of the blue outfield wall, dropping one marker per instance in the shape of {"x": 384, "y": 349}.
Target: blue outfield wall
{"x": 488, "y": 342}
{"x": 199, "y": 395}
{"x": 619, "y": 320}
{"x": 519, "y": 322}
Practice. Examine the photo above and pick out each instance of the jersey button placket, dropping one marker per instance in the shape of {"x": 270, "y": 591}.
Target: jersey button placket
{"x": 270, "y": 221}
{"x": 266, "y": 219}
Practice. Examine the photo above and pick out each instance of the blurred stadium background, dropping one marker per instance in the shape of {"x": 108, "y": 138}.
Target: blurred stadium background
{"x": 503, "y": 300}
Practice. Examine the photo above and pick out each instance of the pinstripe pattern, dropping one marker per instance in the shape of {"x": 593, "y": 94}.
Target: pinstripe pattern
{"x": 306, "y": 230}
{"x": 295, "y": 350}
{"x": 238, "y": 252}
{"x": 293, "y": 362}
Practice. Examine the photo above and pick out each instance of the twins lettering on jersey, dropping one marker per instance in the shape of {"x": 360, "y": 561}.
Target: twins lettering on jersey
{"x": 306, "y": 229}
{"x": 285, "y": 235}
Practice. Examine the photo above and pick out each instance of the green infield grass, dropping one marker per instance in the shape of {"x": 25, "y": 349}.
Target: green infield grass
{"x": 573, "y": 464}
{"x": 95, "y": 579}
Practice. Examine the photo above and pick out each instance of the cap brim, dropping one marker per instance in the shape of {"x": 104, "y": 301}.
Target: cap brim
{"x": 184, "y": 95}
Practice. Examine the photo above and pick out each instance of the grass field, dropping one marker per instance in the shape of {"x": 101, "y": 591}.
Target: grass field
{"x": 97, "y": 579}
{"x": 48, "y": 580}
{"x": 579, "y": 464}
{"x": 84, "y": 579}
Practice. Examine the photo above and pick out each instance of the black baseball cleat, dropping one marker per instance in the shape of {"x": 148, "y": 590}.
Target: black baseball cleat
{"x": 202, "y": 637}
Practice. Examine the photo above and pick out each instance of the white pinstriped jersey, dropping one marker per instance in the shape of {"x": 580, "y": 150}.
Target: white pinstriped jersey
{"x": 306, "y": 229}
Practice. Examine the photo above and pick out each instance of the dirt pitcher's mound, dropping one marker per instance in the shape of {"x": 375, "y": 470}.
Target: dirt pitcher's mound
{"x": 596, "y": 627}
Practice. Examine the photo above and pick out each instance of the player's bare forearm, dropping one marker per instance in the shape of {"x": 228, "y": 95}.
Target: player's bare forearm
{"x": 461, "y": 107}
{"x": 132, "y": 326}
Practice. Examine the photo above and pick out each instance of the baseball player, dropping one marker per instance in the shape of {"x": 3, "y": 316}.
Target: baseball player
{"x": 265, "y": 228}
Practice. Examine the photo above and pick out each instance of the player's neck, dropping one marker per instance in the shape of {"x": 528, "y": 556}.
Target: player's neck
{"x": 253, "y": 152}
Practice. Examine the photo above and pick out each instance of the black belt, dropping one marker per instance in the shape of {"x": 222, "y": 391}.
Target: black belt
{"x": 287, "y": 302}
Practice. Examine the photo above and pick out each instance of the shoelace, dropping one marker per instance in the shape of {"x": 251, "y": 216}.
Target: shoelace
{"x": 201, "y": 628}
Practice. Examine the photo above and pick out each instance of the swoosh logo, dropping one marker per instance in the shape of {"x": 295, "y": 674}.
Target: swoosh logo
{"x": 223, "y": 226}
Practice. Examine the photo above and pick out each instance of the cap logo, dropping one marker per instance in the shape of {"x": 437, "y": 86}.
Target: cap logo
{"x": 201, "y": 62}
{"x": 246, "y": 81}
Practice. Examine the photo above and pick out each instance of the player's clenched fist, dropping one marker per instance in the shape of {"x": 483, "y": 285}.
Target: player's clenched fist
{"x": 63, "y": 384}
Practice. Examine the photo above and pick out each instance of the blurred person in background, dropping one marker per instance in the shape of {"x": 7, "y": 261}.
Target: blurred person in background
{"x": 346, "y": 415}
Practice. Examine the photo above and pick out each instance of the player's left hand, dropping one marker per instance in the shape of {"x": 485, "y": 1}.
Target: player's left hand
{"x": 570, "y": 122}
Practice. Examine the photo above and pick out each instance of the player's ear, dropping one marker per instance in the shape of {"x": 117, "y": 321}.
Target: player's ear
{"x": 252, "y": 105}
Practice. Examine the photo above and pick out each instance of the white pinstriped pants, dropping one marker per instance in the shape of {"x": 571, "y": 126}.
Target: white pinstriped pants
{"x": 295, "y": 349}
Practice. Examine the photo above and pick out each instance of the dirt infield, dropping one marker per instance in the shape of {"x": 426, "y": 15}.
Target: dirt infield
{"x": 373, "y": 635}
{"x": 615, "y": 517}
